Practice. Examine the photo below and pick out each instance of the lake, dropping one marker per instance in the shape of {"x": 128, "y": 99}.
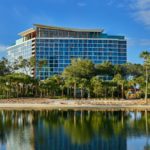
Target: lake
{"x": 74, "y": 130}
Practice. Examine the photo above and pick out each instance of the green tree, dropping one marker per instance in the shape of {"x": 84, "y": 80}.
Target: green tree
{"x": 83, "y": 85}
{"x": 132, "y": 70}
{"x": 146, "y": 56}
{"x": 23, "y": 64}
{"x": 120, "y": 81}
{"x": 106, "y": 68}
{"x": 4, "y": 66}
{"x": 97, "y": 86}
{"x": 77, "y": 70}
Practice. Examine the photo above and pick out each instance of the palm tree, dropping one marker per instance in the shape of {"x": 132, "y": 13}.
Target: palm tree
{"x": 82, "y": 84}
{"x": 146, "y": 56}
{"x": 120, "y": 81}
{"x": 96, "y": 83}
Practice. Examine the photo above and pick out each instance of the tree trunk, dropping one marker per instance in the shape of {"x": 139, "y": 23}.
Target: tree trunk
{"x": 89, "y": 95}
{"x": 81, "y": 93}
{"x": 105, "y": 92}
{"x": 67, "y": 91}
{"x": 62, "y": 92}
{"x": 41, "y": 94}
{"x": 146, "y": 88}
{"x": 7, "y": 94}
{"x": 112, "y": 93}
{"x": 36, "y": 92}
{"x": 17, "y": 92}
{"x": 54, "y": 94}
{"x": 122, "y": 91}
{"x": 47, "y": 92}
{"x": 75, "y": 90}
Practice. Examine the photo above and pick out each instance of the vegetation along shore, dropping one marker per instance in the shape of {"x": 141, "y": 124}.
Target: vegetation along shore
{"x": 81, "y": 79}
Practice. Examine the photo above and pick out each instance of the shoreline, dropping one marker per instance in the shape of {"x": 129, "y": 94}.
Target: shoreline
{"x": 51, "y": 104}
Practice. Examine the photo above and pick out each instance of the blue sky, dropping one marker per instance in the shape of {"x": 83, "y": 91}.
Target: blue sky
{"x": 121, "y": 17}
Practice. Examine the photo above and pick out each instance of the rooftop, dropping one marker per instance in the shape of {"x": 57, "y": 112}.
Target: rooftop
{"x": 27, "y": 32}
{"x": 68, "y": 29}
{"x": 31, "y": 30}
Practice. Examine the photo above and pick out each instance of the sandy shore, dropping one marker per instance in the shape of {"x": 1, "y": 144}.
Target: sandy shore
{"x": 45, "y": 103}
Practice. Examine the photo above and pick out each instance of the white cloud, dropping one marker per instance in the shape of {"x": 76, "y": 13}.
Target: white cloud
{"x": 81, "y": 4}
{"x": 3, "y": 48}
{"x": 141, "y": 4}
{"x": 141, "y": 11}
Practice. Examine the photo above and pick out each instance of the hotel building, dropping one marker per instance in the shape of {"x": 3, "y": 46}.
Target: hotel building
{"x": 58, "y": 45}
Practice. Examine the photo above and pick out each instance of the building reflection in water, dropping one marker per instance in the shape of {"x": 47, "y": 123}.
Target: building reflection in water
{"x": 75, "y": 130}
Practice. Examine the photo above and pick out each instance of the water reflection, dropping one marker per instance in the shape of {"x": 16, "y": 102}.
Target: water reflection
{"x": 74, "y": 130}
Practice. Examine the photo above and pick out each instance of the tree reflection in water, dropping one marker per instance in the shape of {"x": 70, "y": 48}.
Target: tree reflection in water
{"x": 72, "y": 129}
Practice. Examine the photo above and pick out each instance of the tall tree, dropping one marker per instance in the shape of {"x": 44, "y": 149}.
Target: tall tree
{"x": 96, "y": 83}
{"x": 120, "y": 81}
{"x": 146, "y": 56}
{"x": 77, "y": 70}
